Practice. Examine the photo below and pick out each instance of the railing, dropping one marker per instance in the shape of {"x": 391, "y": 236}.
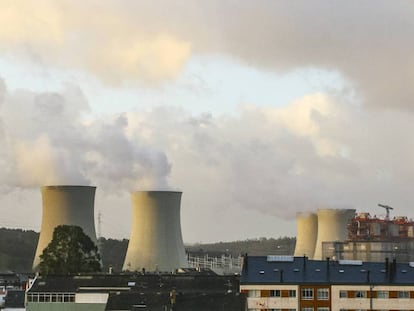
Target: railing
{"x": 225, "y": 263}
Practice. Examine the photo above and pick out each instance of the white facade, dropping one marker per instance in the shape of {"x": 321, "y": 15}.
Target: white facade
{"x": 97, "y": 297}
{"x": 255, "y": 301}
{"x": 384, "y": 302}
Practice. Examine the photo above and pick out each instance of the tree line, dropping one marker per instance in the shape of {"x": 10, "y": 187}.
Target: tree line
{"x": 17, "y": 249}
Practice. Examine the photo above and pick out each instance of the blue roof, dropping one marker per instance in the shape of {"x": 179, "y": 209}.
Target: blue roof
{"x": 301, "y": 270}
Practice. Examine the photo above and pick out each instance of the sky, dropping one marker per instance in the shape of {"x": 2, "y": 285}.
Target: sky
{"x": 255, "y": 110}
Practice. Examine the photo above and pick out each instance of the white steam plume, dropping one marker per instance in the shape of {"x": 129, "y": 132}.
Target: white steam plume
{"x": 46, "y": 141}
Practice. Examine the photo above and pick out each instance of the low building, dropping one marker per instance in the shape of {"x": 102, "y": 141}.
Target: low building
{"x": 297, "y": 283}
{"x": 10, "y": 281}
{"x": 188, "y": 290}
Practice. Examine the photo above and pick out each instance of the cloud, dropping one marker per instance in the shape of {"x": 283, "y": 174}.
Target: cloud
{"x": 108, "y": 43}
{"x": 368, "y": 43}
{"x": 47, "y": 140}
{"x": 317, "y": 151}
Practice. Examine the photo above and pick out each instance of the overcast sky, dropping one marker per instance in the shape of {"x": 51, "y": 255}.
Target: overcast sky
{"x": 254, "y": 109}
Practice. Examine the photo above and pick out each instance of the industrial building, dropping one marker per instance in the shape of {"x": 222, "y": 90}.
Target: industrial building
{"x": 156, "y": 242}
{"x": 187, "y": 290}
{"x": 314, "y": 229}
{"x": 297, "y": 283}
{"x": 371, "y": 238}
{"x": 345, "y": 235}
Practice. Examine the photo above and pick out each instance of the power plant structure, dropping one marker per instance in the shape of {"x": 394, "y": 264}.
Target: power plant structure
{"x": 314, "y": 229}
{"x": 156, "y": 242}
{"x": 332, "y": 226}
{"x": 343, "y": 234}
{"x": 65, "y": 205}
{"x": 372, "y": 238}
{"x": 307, "y": 233}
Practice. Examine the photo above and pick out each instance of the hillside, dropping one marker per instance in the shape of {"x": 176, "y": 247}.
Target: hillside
{"x": 260, "y": 246}
{"x": 17, "y": 249}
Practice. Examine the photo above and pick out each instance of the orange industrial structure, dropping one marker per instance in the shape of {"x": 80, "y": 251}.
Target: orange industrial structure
{"x": 363, "y": 227}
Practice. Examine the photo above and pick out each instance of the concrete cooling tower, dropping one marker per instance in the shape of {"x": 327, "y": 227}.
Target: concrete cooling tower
{"x": 307, "y": 232}
{"x": 65, "y": 205}
{"x": 156, "y": 243}
{"x": 332, "y": 226}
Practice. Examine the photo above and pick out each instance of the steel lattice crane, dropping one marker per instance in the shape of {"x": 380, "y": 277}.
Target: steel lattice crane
{"x": 387, "y": 208}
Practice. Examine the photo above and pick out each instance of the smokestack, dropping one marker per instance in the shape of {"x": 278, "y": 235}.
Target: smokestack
{"x": 65, "y": 205}
{"x": 156, "y": 243}
{"x": 332, "y": 226}
{"x": 307, "y": 232}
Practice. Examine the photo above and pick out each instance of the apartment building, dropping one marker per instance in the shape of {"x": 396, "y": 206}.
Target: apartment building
{"x": 288, "y": 283}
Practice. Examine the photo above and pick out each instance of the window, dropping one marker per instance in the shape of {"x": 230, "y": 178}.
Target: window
{"x": 360, "y": 294}
{"x": 254, "y": 293}
{"x": 292, "y": 293}
{"x": 275, "y": 293}
{"x": 343, "y": 294}
{"x": 404, "y": 294}
{"x": 307, "y": 294}
{"x": 323, "y": 293}
{"x": 323, "y": 309}
{"x": 382, "y": 294}
{"x": 307, "y": 309}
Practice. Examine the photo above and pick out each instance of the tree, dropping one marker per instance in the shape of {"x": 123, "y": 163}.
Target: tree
{"x": 70, "y": 251}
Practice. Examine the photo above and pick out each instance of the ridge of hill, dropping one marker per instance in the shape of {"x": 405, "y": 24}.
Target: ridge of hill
{"x": 18, "y": 247}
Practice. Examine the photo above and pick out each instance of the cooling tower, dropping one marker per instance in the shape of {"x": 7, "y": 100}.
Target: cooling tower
{"x": 307, "y": 232}
{"x": 65, "y": 205}
{"x": 332, "y": 226}
{"x": 156, "y": 243}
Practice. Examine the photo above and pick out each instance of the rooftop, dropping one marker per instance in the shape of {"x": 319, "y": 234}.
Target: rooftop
{"x": 301, "y": 270}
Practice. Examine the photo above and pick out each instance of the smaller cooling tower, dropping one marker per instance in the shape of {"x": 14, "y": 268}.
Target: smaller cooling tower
{"x": 156, "y": 243}
{"x": 65, "y": 205}
{"x": 307, "y": 232}
{"x": 332, "y": 226}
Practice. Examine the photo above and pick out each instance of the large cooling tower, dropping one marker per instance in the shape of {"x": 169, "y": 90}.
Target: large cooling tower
{"x": 156, "y": 242}
{"x": 65, "y": 205}
{"x": 307, "y": 232}
{"x": 332, "y": 226}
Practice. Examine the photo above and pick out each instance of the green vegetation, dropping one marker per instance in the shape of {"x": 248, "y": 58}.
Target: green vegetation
{"x": 113, "y": 253}
{"x": 70, "y": 251}
{"x": 257, "y": 247}
{"x": 17, "y": 249}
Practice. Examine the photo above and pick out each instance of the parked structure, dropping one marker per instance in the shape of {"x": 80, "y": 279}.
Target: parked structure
{"x": 297, "y": 283}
